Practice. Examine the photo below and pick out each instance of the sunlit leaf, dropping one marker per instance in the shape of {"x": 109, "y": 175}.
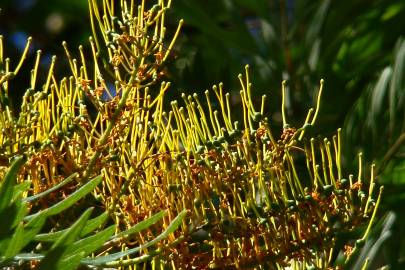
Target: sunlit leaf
{"x": 56, "y": 257}
{"x": 92, "y": 243}
{"x": 50, "y": 190}
{"x": 90, "y": 226}
{"x": 8, "y": 183}
{"x": 379, "y": 92}
{"x": 109, "y": 258}
{"x": 396, "y": 92}
{"x": 144, "y": 224}
{"x": 71, "y": 199}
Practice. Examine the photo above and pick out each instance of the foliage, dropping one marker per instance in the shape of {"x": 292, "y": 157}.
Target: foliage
{"x": 242, "y": 195}
{"x": 62, "y": 249}
{"x": 385, "y": 127}
{"x": 357, "y": 47}
{"x": 299, "y": 41}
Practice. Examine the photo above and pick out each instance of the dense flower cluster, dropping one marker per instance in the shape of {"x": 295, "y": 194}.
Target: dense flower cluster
{"x": 252, "y": 199}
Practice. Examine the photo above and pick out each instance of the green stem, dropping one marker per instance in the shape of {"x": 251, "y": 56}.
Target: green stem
{"x": 106, "y": 134}
{"x": 146, "y": 257}
{"x": 391, "y": 152}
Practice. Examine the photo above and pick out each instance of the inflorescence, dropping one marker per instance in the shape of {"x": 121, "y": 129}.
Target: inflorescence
{"x": 253, "y": 199}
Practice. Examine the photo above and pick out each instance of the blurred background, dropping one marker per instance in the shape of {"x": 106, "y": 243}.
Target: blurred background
{"x": 357, "y": 46}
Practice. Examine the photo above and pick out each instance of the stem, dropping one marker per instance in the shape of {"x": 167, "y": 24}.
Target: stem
{"x": 146, "y": 257}
{"x": 391, "y": 152}
{"x": 106, "y": 134}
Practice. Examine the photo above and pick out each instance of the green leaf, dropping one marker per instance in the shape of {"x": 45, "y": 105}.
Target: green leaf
{"x": 28, "y": 257}
{"x": 71, "y": 234}
{"x": 10, "y": 180}
{"x": 397, "y": 83}
{"x": 94, "y": 223}
{"x": 71, "y": 199}
{"x": 172, "y": 227}
{"x": 15, "y": 213}
{"x": 378, "y": 94}
{"x": 317, "y": 22}
{"x": 22, "y": 236}
{"x": 56, "y": 187}
{"x": 84, "y": 246}
{"x": 144, "y": 224}
{"x": 16, "y": 243}
{"x": 32, "y": 228}
{"x": 392, "y": 11}
{"x": 90, "y": 226}
{"x": 55, "y": 258}
{"x": 22, "y": 211}
{"x": 6, "y": 226}
{"x": 20, "y": 188}
{"x": 92, "y": 243}
{"x": 109, "y": 258}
